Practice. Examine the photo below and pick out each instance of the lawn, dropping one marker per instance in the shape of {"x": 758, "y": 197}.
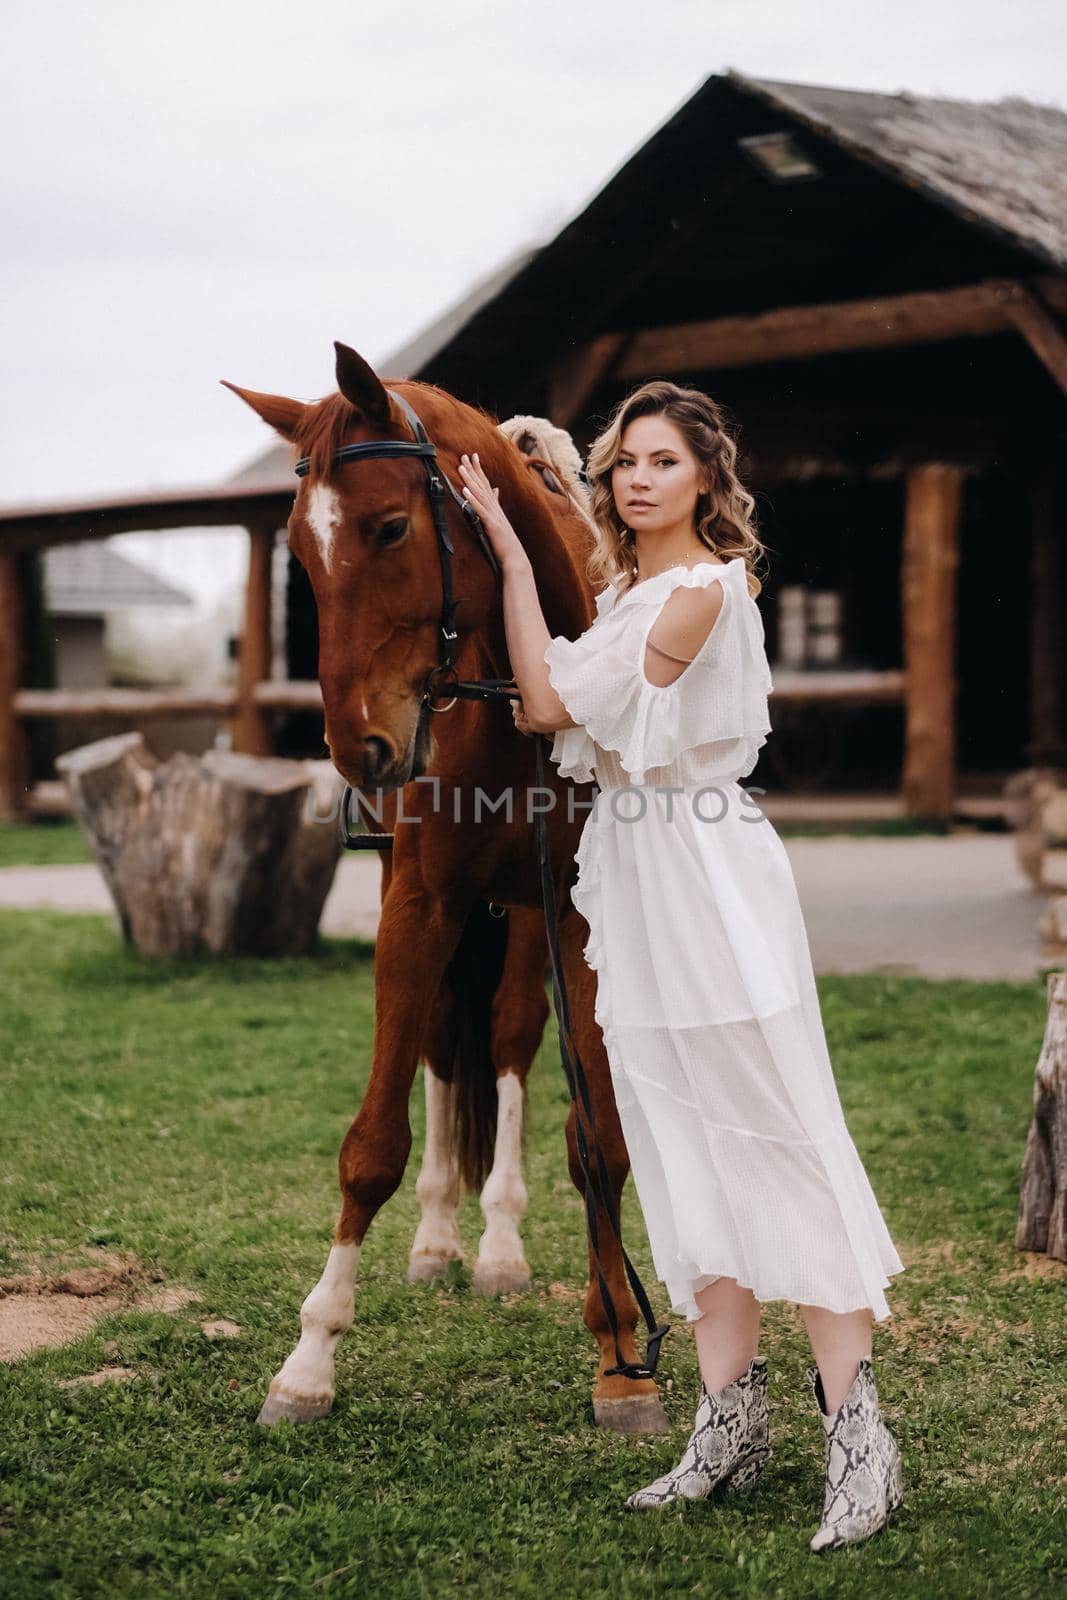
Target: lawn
{"x": 55, "y": 842}
{"x": 189, "y": 1116}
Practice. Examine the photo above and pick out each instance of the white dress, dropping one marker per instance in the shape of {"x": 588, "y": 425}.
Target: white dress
{"x": 740, "y": 1155}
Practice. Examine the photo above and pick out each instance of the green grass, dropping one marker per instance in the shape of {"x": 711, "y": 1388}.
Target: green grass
{"x": 47, "y": 842}
{"x": 191, "y": 1113}
{"x": 872, "y": 827}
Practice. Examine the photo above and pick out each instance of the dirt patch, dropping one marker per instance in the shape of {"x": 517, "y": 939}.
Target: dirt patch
{"x": 40, "y": 1321}
{"x": 1033, "y": 1264}
{"x": 927, "y": 1336}
{"x": 936, "y": 1253}
{"x": 167, "y": 1297}
{"x": 84, "y": 1283}
{"x": 39, "y": 1312}
{"x": 93, "y": 1380}
{"x": 221, "y": 1329}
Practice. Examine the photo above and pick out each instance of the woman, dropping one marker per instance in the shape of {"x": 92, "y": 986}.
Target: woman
{"x": 749, "y": 1182}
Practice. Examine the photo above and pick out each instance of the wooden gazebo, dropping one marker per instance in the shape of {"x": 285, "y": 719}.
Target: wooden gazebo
{"x": 875, "y": 287}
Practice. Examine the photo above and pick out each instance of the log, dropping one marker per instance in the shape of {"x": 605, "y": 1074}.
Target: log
{"x": 276, "y": 694}
{"x": 576, "y": 377}
{"x": 1042, "y": 333}
{"x": 219, "y": 852}
{"x": 14, "y": 751}
{"x": 801, "y": 332}
{"x": 1042, "y": 1223}
{"x": 930, "y": 559}
{"x": 251, "y": 729}
{"x": 1035, "y": 807}
{"x": 123, "y": 704}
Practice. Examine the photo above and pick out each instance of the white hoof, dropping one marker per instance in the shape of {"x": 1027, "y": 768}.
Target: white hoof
{"x": 428, "y": 1264}
{"x": 280, "y": 1407}
{"x": 502, "y": 1277}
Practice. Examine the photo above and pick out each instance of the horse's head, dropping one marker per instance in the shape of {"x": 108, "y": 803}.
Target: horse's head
{"x": 364, "y": 532}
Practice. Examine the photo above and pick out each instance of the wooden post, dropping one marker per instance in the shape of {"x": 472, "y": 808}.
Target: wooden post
{"x": 14, "y": 751}
{"x": 1048, "y": 588}
{"x": 252, "y": 729}
{"x": 930, "y": 560}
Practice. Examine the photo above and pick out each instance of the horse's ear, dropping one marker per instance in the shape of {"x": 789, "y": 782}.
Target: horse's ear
{"x": 361, "y": 385}
{"x": 279, "y": 413}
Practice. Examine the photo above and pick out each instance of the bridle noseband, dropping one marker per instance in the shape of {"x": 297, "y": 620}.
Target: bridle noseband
{"x": 597, "y": 1178}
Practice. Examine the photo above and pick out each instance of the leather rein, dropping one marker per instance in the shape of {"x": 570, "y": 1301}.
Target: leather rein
{"x": 597, "y": 1180}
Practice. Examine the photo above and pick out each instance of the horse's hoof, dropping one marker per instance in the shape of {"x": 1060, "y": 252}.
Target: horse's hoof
{"x": 502, "y": 1277}
{"x": 641, "y": 1413}
{"x": 291, "y": 1408}
{"x": 422, "y": 1268}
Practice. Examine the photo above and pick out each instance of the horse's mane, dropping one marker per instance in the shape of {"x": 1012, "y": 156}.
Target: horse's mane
{"x": 324, "y": 425}
{"x": 322, "y": 431}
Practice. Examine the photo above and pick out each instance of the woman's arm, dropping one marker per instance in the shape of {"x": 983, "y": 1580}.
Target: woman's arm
{"x": 524, "y": 624}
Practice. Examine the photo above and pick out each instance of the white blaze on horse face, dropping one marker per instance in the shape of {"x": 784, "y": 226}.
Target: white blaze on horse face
{"x": 324, "y": 515}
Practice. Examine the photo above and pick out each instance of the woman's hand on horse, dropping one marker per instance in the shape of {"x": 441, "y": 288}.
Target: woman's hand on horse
{"x": 519, "y": 714}
{"x": 486, "y": 501}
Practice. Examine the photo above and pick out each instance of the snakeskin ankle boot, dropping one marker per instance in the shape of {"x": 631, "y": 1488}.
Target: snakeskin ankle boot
{"x": 863, "y": 1471}
{"x": 730, "y": 1442}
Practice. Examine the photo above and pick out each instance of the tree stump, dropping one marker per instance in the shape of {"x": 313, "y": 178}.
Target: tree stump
{"x": 218, "y": 852}
{"x": 1036, "y": 810}
{"x": 1042, "y": 1221}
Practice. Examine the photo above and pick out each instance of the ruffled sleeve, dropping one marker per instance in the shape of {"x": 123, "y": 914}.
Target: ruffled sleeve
{"x": 720, "y": 698}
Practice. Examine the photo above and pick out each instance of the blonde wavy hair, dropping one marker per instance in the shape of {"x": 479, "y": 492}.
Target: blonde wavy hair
{"x": 725, "y": 518}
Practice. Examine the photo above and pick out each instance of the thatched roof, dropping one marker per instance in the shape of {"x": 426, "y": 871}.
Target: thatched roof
{"x": 999, "y": 162}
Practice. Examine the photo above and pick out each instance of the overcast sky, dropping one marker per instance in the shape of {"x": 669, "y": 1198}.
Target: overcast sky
{"x": 220, "y": 188}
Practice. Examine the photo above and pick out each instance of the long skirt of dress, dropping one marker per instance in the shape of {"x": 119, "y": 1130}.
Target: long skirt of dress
{"x": 740, "y": 1156}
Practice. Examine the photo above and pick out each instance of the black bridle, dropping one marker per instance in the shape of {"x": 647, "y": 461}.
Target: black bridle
{"x": 597, "y": 1185}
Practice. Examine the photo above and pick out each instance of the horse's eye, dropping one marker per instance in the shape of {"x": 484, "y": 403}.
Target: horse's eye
{"x": 392, "y": 531}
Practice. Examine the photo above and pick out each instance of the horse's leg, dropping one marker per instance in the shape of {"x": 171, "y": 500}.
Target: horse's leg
{"x": 627, "y": 1405}
{"x": 439, "y": 1186}
{"x": 520, "y": 1011}
{"x": 416, "y": 938}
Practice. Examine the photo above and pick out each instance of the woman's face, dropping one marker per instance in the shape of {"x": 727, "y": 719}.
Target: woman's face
{"x": 656, "y": 477}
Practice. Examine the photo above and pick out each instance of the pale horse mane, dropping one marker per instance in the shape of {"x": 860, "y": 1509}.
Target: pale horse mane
{"x": 537, "y": 436}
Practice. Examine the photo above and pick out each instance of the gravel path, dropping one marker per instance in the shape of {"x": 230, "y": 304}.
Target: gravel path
{"x": 952, "y": 907}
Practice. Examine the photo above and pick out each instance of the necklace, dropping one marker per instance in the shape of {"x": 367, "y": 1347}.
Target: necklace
{"x": 684, "y": 562}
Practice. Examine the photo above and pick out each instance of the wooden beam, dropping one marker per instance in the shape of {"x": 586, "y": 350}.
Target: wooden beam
{"x": 574, "y": 380}
{"x": 289, "y": 694}
{"x": 137, "y": 705}
{"x": 803, "y": 332}
{"x": 252, "y": 729}
{"x": 827, "y": 686}
{"x": 14, "y": 751}
{"x": 125, "y": 705}
{"x": 1042, "y": 333}
{"x": 1052, "y": 289}
{"x": 930, "y": 560}
{"x": 32, "y": 527}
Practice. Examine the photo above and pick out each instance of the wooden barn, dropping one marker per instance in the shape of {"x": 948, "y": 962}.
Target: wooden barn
{"x": 875, "y": 288}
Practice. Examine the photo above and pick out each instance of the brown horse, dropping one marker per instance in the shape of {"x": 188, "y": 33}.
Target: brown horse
{"x": 446, "y": 972}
